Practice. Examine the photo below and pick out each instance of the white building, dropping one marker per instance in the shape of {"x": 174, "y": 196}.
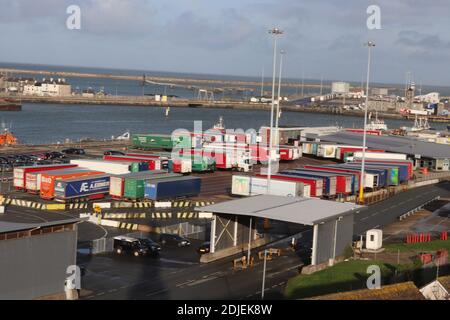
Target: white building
{"x": 50, "y": 87}
{"x": 432, "y": 97}
{"x": 340, "y": 87}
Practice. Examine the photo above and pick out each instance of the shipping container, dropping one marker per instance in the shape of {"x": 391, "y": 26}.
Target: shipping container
{"x": 381, "y": 174}
{"x": 180, "y": 165}
{"x": 353, "y": 176}
{"x": 117, "y": 182}
{"x": 161, "y": 141}
{"x": 344, "y": 182}
{"x": 80, "y": 188}
{"x": 134, "y": 186}
{"x": 316, "y": 184}
{"x": 370, "y": 180}
{"x": 402, "y": 168}
{"x": 34, "y": 178}
{"x": 47, "y": 190}
{"x": 111, "y": 167}
{"x": 20, "y": 173}
{"x": 250, "y": 186}
{"x": 171, "y": 188}
{"x": 326, "y": 151}
{"x": 401, "y": 163}
{"x": 329, "y": 180}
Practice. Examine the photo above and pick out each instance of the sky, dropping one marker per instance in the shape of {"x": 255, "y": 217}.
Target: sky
{"x": 321, "y": 37}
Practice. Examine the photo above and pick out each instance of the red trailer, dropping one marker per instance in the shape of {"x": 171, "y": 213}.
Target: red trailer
{"x": 340, "y": 154}
{"x": 20, "y": 173}
{"x": 371, "y": 132}
{"x": 316, "y": 185}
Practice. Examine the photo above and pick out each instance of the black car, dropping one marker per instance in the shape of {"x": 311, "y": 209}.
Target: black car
{"x": 204, "y": 248}
{"x": 152, "y": 245}
{"x": 55, "y": 155}
{"x": 130, "y": 245}
{"x": 173, "y": 239}
{"x": 113, "y": 153}
{"x": 73, "y": 151}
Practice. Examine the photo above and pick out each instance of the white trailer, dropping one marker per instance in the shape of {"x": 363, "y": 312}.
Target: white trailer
{"x": 380, "y": 155}
{"x": 251, "y": 186}
{"x": 111, "y": 167}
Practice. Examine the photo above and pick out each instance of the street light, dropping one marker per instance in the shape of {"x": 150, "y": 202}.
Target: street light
{"x": 282, "y": 52}
{"x": 264, "y": 275}
{"x": 275, "y": 32}
{"x": 369, "y": 45}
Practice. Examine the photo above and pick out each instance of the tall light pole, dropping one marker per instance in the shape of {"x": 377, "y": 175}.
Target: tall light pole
{"x": 275, "y": 32}
{"x": 369, "y": 44}
{"x": 282, "y": 52}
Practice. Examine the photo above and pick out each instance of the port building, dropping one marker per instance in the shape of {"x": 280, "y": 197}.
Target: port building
{"x": 34, "y": 258}
{"x": 428, "y": 155}
{"x": 234, "y": 222}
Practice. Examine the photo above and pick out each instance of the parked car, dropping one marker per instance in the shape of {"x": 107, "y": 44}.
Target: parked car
{"x": 73, "y": 151}
{"x": 204, "y": 248}
{"x": 56, "y": 155}
{"x": 113, "y": 153}
{"x": 152, "y": 245}
{"x": 130, "y": 245}
{"x": 173, "y": 239}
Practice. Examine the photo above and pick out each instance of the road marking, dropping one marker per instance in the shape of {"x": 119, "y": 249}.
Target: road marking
{"x": 155, "y": 292}
{"x": 184, "y": 283}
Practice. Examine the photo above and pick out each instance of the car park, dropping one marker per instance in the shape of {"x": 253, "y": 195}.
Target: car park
{"x": 204, "y": 247}
{"x": 73, "y": 151}
{"x": 173, "y": 239}
{"x": 56, "y": 155}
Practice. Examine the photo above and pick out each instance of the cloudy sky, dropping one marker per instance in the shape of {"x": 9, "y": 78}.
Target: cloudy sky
{"x": 322, "y": 37}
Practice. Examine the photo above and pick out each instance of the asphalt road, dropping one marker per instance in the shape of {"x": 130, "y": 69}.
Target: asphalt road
{"x": 387, "y": 211}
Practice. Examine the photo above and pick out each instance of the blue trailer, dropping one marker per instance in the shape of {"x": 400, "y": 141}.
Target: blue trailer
{"x": 381, "y": 173}
{"x": 402, "y": 169}
{"x": 390, "y": 173}
{"x": 89, "y": 187}
{"x": 171, "y": 188}
{"x": 329, "y": 180}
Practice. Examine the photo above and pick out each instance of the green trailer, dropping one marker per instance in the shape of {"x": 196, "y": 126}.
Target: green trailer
{"x": 160, "y": 141}
{"x": 134, "y": 186}
{"x": 203, "y": 164}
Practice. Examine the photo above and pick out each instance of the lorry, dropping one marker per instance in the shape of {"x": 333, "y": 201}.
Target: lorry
{"x": 232, "y": 157}
{"x": 172, "y": 188}
{"x": 20, "y": 173}
{"x": 117, "y": 182}
{"x": 48, "y": 179}
{"x": 250, "y": 186}
{"x": 82, "y": 188}
{"x": 133, "y": 187}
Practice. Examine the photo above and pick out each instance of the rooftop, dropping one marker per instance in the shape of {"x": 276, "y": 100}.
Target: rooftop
{"x": 6, "y": 227}
{"x": 307, "y": 211}
{"x": 392, "y": 144}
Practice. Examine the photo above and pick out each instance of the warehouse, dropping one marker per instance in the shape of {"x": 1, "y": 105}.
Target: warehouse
{"x": 425, "y": 154}
{"x": 35, "y": 257}
{"x": 235, "y": 221}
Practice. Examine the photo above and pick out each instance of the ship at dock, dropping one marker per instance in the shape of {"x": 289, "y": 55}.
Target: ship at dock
{"x": 10, "y": 105}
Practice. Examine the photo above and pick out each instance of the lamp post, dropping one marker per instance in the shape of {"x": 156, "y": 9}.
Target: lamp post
{"x": 264, "y": 275}
{"x": 282, "y": 52}
{"x": 275, "y": 32}
{"x": 369, "y": 44}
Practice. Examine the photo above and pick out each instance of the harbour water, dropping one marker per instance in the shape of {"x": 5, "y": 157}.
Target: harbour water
{"x": 51, "y": 123}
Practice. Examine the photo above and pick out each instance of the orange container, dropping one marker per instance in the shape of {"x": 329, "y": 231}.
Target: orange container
{"x": 48, "y": 180}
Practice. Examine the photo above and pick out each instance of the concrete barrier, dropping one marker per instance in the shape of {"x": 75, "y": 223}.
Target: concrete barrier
{"x": 103, "y": 205}
{"x": 163, "y": 204}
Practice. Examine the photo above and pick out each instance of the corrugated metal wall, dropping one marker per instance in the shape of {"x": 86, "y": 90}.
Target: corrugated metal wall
{"x": 36, "y": 266}
{"x": 225, "y": 230}
{"x": 325, "y": 239}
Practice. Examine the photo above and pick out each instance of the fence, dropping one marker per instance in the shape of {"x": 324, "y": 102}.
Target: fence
{"x": 102, "y": 245}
